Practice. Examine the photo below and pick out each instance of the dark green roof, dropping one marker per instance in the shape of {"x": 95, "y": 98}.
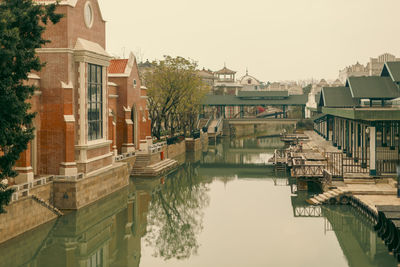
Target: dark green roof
{"x": 336, "y": 97}
{"x": 317, "y": 98}
{"x": 231, "y": 100}
{"x": 263, "y": 94}
{"x": 372, "y": 87}
{"x": 392, "y": 69}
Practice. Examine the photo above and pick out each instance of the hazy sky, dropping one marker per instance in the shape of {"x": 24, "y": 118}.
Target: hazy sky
{"x": 275, "y": 39}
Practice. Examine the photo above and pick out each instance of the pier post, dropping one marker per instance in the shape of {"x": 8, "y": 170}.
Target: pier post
{"x": 356, "y": 137}
{"x": 372, "y": 151}
{"x": 350, "y": 139}
{"x": 340, "y": 133}
{"x": 363, "y": 147}
{"x": 327, "y": 129}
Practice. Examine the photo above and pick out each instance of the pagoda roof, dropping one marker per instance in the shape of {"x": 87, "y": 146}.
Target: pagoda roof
{"x": 225, "y": 70}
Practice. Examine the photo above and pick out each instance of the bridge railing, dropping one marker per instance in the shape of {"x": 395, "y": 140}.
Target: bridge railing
{"x": 218, "y": 127}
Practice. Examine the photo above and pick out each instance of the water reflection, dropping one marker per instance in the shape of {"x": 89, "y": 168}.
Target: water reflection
{"x": 176, "y": 213}
{"x": 254, "y": 219}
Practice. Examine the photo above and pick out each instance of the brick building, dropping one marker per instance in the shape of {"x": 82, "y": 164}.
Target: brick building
{"x": 128, "y": 104}
{"x": 75, "y": 104}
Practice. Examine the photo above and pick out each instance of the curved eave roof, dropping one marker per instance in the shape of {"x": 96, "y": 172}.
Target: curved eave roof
{"x": 225, "y": 70}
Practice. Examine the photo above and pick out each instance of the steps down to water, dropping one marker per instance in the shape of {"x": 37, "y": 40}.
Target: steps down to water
{"x": 47, "y": 205}
{"x": 155, "y": 169}
{"x": 332, "y": 196}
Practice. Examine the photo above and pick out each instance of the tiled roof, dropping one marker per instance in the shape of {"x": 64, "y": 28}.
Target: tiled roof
{"x": 117, "y": 66}
{"x": 392, "y": 69}
{"x": 372, "y": 87}
{"x": 337, "y": 97}
{"x": 225, "y": 70}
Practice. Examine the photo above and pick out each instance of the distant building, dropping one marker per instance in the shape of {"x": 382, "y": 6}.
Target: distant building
{"x": 373, "y": 68}
{"x": 292, "y": 88}
{"x": 314, "y": 95}
{"x": 207, "y": 76}
{"x": 225, "y": 84}
{"x": 249, "y": 83}
{"x": 375, "y": 65}
{"x": 356, "y": 70}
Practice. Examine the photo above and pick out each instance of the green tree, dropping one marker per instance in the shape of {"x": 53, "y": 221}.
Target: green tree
{"x": 22, "y": 24}
{"x": 174, "y": 95}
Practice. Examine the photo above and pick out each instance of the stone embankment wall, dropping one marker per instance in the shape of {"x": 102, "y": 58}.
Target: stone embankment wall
{"x": 26, "y": 214}
{"x": 20, "y": 251}
{"x": 193, "y": 145}
{"x": 72, "y": 195}
{"x": 175, "y": 149}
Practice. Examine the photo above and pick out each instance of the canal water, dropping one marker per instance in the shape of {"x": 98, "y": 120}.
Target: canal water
{"x": 223, "y": 207}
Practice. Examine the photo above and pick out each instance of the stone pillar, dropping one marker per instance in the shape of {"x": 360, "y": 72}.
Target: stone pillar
{"x": 69, "y": 167}
{"x": 24, "y": 167}
{"x": 128, "y": 145}
{"x": 372, "y": 150}
{"x": 112, "y": 133}
{"x": 241, "y": 111}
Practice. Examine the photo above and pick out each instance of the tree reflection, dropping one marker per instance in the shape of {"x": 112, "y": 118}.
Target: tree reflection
{"x": 175, "y": 216}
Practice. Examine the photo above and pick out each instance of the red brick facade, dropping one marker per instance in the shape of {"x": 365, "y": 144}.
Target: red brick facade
{"x": 128, "y": 103}
{"x": 66, "y": 115}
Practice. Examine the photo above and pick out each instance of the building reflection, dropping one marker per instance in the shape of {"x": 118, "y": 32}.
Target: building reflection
{"x": 353, "y": 231}
{"x": 107, "y": 233}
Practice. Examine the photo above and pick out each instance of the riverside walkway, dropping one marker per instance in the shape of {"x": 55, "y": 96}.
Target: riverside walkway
{"x": 371, "y": 191}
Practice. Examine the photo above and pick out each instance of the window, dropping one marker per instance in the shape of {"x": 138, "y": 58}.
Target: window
{"x": 95, "y": 102}
{"x": 134, "y": 83}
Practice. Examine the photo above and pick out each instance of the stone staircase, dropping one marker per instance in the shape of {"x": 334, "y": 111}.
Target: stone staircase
{"x": 155, "y": 169}
{"x": 332, "y": 196}
{"x": 47, "y": 205}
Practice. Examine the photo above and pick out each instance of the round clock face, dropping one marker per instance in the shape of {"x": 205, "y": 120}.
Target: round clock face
{"x": 88, "y": 13}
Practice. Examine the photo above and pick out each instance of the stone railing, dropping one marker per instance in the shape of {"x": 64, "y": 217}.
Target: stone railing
{"x": 23, "y": 190}
{"x": 77, "y": 177}
{"x": 125, "y": 156}
{"x": 153, "y": 148}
